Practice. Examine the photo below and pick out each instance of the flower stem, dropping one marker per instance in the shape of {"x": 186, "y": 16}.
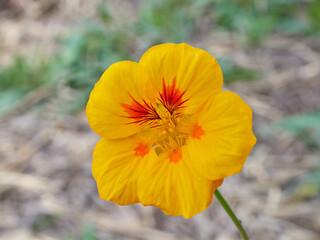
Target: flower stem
{"x": 231, "y": 214}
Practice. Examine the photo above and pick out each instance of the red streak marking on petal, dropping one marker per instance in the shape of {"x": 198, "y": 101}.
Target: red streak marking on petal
{"x": 141, "y": 150}
{"x": 175, "y": 157}
{"x": 171, "y": 96}
{"x": 140, "y": 112}
{"x": 198, "y": 132}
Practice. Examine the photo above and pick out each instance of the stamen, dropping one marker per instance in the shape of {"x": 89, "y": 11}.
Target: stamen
{"x": 141, "y": 150}
{"x": 168, "y": 120}
{"x": 176, "y": 156}
{"x": 198, "y": 131}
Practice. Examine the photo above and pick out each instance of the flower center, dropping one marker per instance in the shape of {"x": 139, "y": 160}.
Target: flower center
{"x": 170, "y": 136}
{"x": 168, "y": 121}
{"x": 166, "y": 117}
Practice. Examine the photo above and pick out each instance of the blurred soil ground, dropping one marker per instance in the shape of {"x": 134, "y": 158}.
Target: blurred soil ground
{"x": 46, "y": 187}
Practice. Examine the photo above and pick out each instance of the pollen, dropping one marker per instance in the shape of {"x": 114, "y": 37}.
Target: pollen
{"x": 198, "y": 131}
{"x": 175, "y": 156}
{"x": 141, "y": 150}
{"x": 165, "y": 116}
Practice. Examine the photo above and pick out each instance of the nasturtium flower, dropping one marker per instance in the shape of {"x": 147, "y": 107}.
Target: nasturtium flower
{"x": 170, "y": 135}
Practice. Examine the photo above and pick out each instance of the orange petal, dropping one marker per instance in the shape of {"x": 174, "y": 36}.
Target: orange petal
{"x": 174, "y": 187}
{"x": 196, "y": 72}
{"x": 116, "y": 167}
{"x": 115, "y": 92}
{"x": 227, "y": 138}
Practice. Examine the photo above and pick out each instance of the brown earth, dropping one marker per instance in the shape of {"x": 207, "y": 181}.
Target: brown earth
{"x": 46, "y": 187}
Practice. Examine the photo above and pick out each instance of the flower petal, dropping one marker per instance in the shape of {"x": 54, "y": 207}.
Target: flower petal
{"x": 174, "y": 187}
{"x": 119, "y": 86}
{"x": 195, "y": 71}
{"x": 226, "y": 137}
{"x": 117, "y": 165}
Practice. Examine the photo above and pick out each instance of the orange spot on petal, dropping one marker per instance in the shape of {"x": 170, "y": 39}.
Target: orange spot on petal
{"x": 175, "y": 156}
{"x": 141, "y": 150}
{"x": 198, "y": 131}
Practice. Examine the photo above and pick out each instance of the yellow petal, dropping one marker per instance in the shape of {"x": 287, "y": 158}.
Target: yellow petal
{"x": 174, "y": 187}
{"x": 196, "y": 71}
{"x": 118, "y": 86}
{"x": 117, "y": 165}
{"x": 223, "y": 136}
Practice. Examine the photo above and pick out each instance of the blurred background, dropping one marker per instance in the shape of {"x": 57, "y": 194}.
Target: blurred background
{"x": 53, "y": 51}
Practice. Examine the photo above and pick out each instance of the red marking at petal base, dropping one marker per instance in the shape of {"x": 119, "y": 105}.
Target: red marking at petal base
{"x": 171, "y": 96}
{"x": 141, "y": 150}
{"x": 198, "y": 132}
{"x": 140, "y": 112}
{"x": 175, "y": 157}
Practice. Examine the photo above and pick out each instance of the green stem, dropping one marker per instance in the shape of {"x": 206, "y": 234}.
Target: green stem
{"x": 231, "y": 214}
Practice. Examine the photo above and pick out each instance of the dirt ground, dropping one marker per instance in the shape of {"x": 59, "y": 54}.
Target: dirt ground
{"x": 46, "y": 187}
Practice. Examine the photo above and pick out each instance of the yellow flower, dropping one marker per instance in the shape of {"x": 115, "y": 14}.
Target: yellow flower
{"x": 170, "y": 135}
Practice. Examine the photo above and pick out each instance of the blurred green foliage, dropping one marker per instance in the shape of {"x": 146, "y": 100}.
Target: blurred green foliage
{"x": 233, "y": 73}
{"x": 254, "y": 20}
{"x": 307, "y": 186}
{"x": 314, "y": 16}
{"x": 167, "y": 21}
{"x": 88, "y": 51}
{"x": 305, "y": 127}
{"x": 43, "y": 222}
{"x": 88, "y": 233}
{"x": 19, "y": 78}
